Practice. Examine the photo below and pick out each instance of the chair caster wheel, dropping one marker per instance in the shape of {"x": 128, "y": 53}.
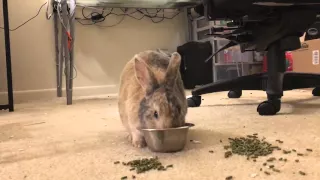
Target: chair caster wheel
{"x": 235, "y": 94}
{"x": 194, "y": 101}
{"x": 316, "y": 91}
{"x": 269, "y": 108}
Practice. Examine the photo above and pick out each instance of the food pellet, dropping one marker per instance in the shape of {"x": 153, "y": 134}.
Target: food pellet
{"x": 310, "y": 150}
{"x": 133, "y": 176}
{"x": 170, "y": 166}
{"x": 271, "y": 166}
{"x": 297, "y": 160}
{"x": 264, "y": 164}
{"x": 271, "y": 159}
{"x": 229, "y": 178}
{"x": 286, "y": 152}
{"x": 117, "y": 162}
{"x": 267, "y": 173}
{"x": 276, "y": 170}
{"x": 227, "y": 154}
{"x": 211, "y": 151}
{"x": 302, "y": 173}
{"x": 279, "y": 141}
{"x": 124, "y": 177}
{"x": 300, "y": 154}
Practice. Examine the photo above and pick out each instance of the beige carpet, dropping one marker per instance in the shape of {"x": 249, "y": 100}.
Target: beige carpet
{"x": 52, "y": 141}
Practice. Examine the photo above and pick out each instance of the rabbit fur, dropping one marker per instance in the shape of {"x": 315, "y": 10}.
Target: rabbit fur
{"x": 151, "y": 94}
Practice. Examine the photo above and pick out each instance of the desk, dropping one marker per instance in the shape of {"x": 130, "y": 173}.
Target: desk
{"x": 8, "y": 58}
{"x": 64, "y": 47}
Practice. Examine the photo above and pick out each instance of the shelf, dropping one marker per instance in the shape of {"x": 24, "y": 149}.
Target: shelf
{"x": 199, "y": 18}
{"x": 203, "y": 29}
{"x": 239, "y": 63}
{"x": 139, "y": 3}
{"x": 211, "y": 39}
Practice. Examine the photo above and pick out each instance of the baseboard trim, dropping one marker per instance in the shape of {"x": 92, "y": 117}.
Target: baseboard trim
{"x": 49, "y": 94}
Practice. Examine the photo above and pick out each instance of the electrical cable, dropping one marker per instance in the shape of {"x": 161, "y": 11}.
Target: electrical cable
{"x": 28, "y": 19}
{"x": 96, "y": 17}
{"x": 61, "y": 21}
{"x": 48, "y": 16}
{"x": 103, "y": 26}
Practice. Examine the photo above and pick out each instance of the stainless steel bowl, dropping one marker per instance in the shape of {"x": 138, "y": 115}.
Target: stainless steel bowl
{"x": 167, "y": 140}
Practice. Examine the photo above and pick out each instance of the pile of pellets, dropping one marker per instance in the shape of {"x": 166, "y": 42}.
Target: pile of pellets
{"x": 252, "y": 148}
{"x": 144, "y": 165}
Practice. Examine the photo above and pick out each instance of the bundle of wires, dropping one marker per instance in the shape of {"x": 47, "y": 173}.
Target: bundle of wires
{"x": 94, "y": 17}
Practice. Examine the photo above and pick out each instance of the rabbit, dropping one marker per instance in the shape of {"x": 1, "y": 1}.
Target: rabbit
{"x": 151, "y": 94}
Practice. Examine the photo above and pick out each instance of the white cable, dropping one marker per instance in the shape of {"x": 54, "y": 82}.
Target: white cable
{"x": 49, "y": 4}
{"x": 58, "y": 10}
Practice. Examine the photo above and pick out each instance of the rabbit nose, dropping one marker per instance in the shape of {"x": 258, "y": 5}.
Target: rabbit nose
{"x": 167, "y": 124}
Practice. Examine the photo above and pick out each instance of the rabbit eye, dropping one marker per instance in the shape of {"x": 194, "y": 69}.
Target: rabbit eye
{"x": 155, "y": 114}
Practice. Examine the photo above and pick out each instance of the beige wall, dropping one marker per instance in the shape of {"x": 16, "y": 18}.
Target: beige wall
{"x": 100, "y": 54}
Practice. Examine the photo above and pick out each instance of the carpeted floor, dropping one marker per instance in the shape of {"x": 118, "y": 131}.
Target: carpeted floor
{"x": 52, "y": 141}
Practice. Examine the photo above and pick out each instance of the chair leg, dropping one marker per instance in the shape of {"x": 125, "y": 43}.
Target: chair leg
{"x": 236, "y": 93}
{"x": 316, "y": 91}
{"x": 276, "y": 69}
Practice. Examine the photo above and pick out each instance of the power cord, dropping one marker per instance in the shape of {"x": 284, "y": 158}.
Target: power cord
{"x": 96, "y": 17}
{"x": 28, "y": 19}
{"x": 48, "y": 16}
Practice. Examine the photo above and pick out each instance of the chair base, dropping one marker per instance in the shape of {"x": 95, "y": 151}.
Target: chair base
{"x": 258, "y": 82}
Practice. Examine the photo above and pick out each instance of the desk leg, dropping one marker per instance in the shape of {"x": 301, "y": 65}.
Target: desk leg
{"x": 71, "y": 22}
{"x": 8, "y": 54}
{"x": 58, "y": 57}
{"x": 66, "y": 51}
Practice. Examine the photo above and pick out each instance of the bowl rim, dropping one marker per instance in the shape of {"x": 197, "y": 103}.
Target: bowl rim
{"x": 186, "y": 126}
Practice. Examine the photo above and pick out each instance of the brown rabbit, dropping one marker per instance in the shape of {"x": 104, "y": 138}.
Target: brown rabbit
{"x": 151, "y": 94}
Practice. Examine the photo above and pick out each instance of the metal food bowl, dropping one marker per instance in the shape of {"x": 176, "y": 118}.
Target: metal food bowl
{"x": 167, "y": 140}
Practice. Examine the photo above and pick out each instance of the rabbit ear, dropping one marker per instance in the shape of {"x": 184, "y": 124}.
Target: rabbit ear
{"x": 173, "y": 69}
{"x": 144, "y": 75}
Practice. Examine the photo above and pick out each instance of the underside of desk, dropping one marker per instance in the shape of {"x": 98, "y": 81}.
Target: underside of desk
{"x": 139, "y": 3}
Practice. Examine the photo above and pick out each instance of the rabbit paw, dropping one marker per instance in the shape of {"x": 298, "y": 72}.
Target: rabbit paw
{"x": 138, "y": 142}
{"x": 129, "y": 137}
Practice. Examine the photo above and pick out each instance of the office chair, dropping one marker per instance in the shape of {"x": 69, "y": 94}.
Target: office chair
{"x": 263, "y": 26}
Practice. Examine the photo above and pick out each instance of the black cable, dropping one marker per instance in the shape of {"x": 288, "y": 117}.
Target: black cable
{"x": 28, "y": 20}
{"x": 130, "y": 15}
{"x": 100, "y": 17}
{"x": 96, "y": 17}
{"x": 83, "y": 13}
{"x": 113, "y": 24}
{"x": 157, "y": 17}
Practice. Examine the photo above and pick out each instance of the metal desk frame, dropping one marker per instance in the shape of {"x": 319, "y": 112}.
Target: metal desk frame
{"x": 10, "y": 104}
{"x": 64, "y": 55}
